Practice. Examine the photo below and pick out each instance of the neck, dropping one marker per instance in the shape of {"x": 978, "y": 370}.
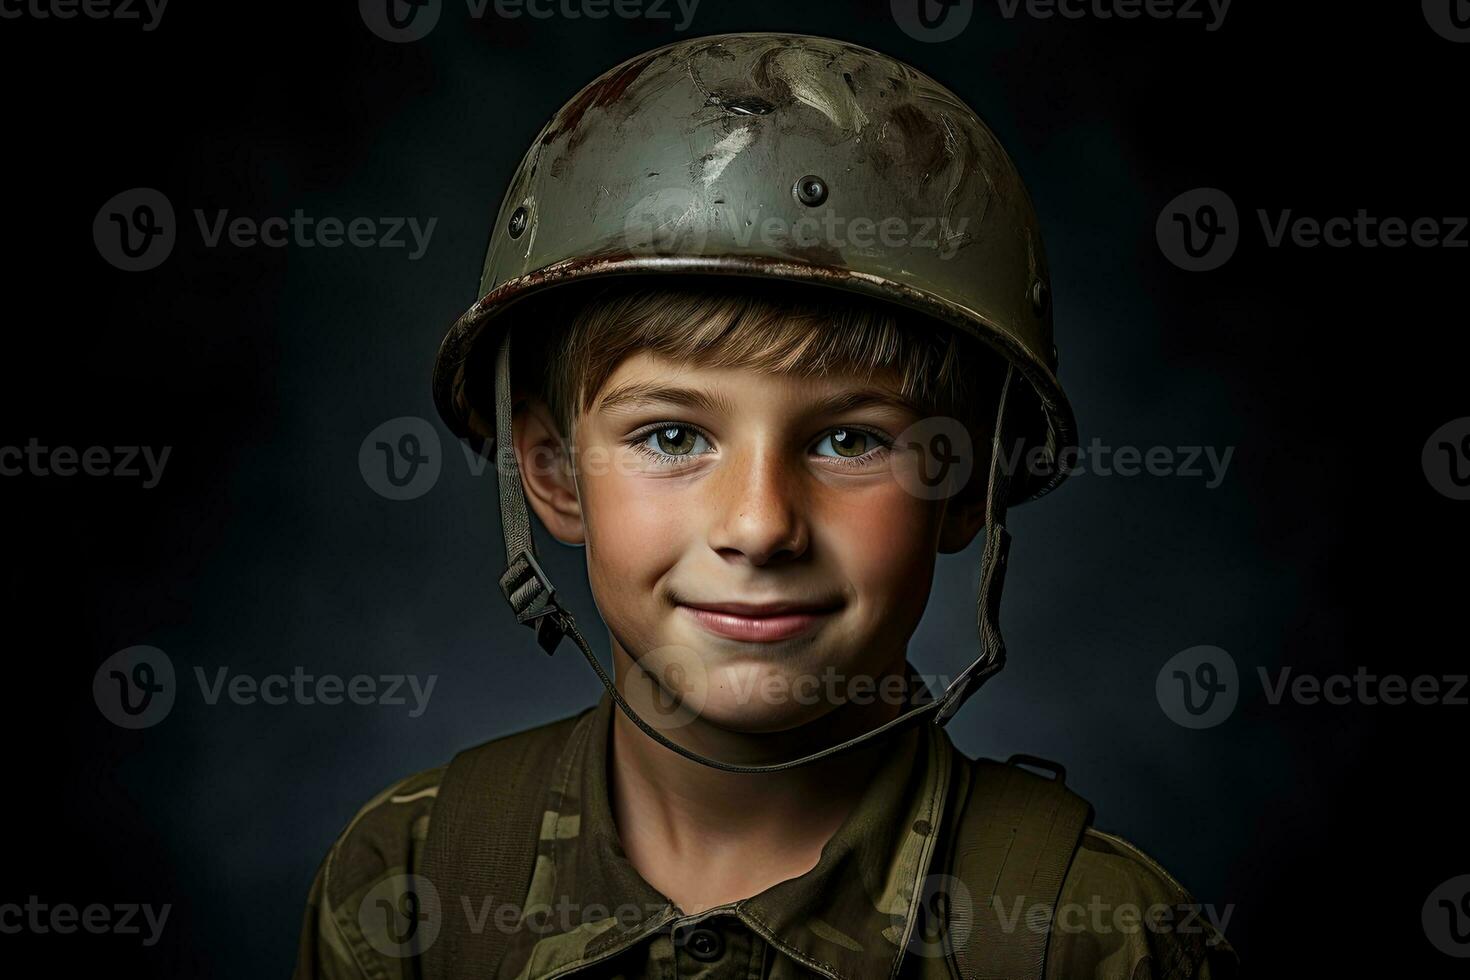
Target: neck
{"x": 683, "y": 822}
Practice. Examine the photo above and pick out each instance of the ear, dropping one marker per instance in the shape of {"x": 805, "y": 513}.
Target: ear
{"x": 964, "y": 512}
{"x": 545, "y": 470}
{"x": 964, "y": 518}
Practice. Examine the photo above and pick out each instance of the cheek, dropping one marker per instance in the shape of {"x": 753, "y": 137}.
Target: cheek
{"x": 886, "y": 542}
{"x": 636, "y": 531}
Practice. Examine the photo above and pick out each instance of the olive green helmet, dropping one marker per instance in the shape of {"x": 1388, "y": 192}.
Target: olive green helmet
{"x": 778, "y": 157}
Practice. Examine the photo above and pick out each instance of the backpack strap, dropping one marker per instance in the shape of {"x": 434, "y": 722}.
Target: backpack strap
{"x": 483, "y": 835}
{"x": 1016, "y": 837}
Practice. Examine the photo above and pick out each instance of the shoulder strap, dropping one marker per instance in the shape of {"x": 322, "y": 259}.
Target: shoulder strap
{"x": 483, "y": 835}
{"x": 1016, "y": 836}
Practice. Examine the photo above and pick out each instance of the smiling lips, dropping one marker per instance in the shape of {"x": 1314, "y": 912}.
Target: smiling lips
{"x": 760, "y": 622}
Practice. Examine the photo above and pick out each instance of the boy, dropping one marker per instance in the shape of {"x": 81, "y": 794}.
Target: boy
{"x": 780, "y": 308}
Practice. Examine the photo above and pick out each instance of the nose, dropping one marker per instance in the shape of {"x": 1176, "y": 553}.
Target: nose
{"x": 759, "y": 505}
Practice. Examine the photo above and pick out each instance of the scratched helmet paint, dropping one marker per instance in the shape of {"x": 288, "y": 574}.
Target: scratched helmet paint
{"x": 784, "y": 157}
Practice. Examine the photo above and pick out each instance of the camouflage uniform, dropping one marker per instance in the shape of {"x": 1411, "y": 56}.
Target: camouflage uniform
{"x": 859, "y": 914}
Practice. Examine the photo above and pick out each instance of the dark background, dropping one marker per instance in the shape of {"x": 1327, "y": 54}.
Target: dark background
{"x": 1324, "y": 827}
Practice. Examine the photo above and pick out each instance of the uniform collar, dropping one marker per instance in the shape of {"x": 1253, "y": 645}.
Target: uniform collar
{"x": 850, "y": 917}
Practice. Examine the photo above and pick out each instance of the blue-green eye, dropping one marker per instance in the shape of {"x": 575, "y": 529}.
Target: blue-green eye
{"x": 848, "y": 443}
{"x": 675, "y": 440}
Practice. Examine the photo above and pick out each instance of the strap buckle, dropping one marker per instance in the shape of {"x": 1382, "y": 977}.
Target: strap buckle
{"x": 532, "y": 597}
{"x": 962, "y": 687}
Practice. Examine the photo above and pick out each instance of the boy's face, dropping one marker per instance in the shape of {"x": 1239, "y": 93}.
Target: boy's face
{"x": 704, "y": 486}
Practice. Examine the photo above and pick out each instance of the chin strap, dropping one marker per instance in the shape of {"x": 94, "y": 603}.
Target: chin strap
{"x": 532, "y": 596}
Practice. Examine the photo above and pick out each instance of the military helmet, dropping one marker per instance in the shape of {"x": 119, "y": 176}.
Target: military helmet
{"x": 724, "y": 155}
{"x": 774, "y": 157}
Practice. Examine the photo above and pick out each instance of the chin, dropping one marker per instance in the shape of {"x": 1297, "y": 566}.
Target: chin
{"x": 752, "y": 692}
{"x": 726, "y": 710}
{"x": 749, "y": 687}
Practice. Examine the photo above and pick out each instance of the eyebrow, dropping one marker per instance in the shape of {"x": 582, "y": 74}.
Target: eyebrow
{"x": 634, "y": 394}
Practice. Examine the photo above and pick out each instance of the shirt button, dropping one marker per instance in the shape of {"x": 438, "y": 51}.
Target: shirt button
{"x": 704, "y": 944}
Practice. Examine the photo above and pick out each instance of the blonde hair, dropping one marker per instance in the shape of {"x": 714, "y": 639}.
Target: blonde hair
{"x": 576, "y": 345}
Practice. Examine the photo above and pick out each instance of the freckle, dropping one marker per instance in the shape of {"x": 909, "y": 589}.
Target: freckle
{"x": 921, "y": 827}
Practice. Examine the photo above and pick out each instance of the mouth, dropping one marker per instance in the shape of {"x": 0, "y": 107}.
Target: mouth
{"x": 759, "y": 622}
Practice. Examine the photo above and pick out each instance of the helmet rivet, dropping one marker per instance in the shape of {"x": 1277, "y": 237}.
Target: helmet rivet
{"x": 810, "y": 190}
{"x": 518, "y": 222}
{"x": 1040, "y": 297}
